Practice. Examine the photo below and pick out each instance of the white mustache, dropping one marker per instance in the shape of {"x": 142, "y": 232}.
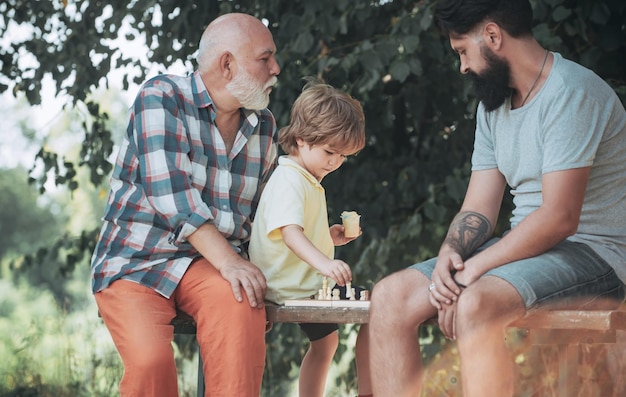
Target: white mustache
{"x": 270, "y": 83}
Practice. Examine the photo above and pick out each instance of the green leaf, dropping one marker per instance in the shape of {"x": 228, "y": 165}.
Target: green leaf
{"x": 410, "y": 43}
{"x": 400, "y": 70}
{"x": 600, "y": 13}
{"x": 303, "y": 42}
{"x": 416, "y": 66}
{"x": 426, "y": 21}
{"x": 561, "y": 13}
{"x": 456, "y": 187}
{"x": 434, "y": 212}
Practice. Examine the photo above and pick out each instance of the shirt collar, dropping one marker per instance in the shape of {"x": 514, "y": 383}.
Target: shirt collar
{"x": 202, "y": 99}
{"x": 286, "y": 161}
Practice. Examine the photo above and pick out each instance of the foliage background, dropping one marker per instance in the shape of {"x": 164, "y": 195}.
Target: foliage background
{"x": 407, "y": 183}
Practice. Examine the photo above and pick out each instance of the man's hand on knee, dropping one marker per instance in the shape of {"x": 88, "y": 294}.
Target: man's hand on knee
{"x": 244, "y": 275}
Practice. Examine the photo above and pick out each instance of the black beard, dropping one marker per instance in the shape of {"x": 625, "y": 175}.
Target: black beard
{"x": 491, "y": 86}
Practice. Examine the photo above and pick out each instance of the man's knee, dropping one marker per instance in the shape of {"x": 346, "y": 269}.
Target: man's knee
{"x": 402, "y": 295}
{"x": 386, "y": 291}
{"x": 158, "y": 358}
{"x": 243, "y": 313}
{"x": 479, "y": 307}
{"x": 469, "y": 307}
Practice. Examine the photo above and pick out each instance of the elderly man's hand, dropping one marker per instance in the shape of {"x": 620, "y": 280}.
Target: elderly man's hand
{"x": 243, "y": 274}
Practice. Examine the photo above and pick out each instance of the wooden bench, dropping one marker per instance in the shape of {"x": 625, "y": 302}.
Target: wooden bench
{"x": 184, "y": 324}
{"x": 315, "y": 314}
{"x": 566, "y": 329}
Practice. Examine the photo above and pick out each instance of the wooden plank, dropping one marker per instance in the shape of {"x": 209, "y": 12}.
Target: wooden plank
{"x": 326, "y": 303}
{"x": 317, "y": 314}
{"x": 568, "y": 319}
{"x": 618, "y": 319}
{"x": 544, "y": 336}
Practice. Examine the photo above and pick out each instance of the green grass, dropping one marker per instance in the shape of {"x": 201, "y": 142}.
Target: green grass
{"x": 47, "y": 351}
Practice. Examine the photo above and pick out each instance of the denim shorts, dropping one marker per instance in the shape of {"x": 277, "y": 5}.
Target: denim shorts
{"x": 316, "y": 331}
{"x": 569, "y": 272}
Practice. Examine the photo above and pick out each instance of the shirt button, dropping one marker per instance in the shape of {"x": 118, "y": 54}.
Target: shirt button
{"x": 224, "y": 207}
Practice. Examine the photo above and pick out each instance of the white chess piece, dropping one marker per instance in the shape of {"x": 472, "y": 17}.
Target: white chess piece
{"x": 325, "y": 290}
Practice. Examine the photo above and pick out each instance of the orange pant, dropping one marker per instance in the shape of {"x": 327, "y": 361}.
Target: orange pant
{"x": 230, "y": 334}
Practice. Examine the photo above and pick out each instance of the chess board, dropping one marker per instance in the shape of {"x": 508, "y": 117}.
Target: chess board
{"x": 326, "y": 303}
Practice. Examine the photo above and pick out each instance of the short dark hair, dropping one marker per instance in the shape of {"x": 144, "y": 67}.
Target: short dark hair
{"x": 458, "y": 17}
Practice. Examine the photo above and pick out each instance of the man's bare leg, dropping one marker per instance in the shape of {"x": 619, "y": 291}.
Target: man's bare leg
{"x": 399, "y": 304}
{"x": 362, "y": 358}
{"x": 484, "y": 310}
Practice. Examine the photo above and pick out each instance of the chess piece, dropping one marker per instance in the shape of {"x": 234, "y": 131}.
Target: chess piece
{"x": 325, "y": 290}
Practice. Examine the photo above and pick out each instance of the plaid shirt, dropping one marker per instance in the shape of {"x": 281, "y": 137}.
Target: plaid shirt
{"x": 172, "y": 175}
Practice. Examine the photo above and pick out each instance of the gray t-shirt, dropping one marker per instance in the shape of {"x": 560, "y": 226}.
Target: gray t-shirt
{"x": 575, "y": 120}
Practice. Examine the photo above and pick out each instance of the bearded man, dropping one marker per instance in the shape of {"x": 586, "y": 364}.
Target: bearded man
{"x": 556, "y": 134}
{"x": 185, "y": 186}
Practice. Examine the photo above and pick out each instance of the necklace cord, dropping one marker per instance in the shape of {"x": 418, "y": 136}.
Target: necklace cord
{"x": 545, "y": 58}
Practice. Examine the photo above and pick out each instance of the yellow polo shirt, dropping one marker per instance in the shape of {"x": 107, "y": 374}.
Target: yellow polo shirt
{"x": 292, "y": 196}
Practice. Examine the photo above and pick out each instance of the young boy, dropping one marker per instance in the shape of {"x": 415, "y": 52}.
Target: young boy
{"x": 291, "y": 240}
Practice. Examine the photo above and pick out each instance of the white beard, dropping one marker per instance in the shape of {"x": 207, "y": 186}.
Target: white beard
{"x": 249, "y": 92}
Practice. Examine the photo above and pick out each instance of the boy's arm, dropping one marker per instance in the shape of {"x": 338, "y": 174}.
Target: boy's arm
{"x": 304, "y": 249}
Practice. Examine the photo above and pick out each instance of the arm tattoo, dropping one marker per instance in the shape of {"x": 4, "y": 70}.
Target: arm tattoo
{"x": 468, "y": 231}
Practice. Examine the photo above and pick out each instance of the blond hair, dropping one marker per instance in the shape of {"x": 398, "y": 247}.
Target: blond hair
{"x": 324, "y": 115}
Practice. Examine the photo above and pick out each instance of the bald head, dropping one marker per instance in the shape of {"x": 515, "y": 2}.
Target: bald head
{"x": 237, "y": 62}
{"x": 229, "y": 32}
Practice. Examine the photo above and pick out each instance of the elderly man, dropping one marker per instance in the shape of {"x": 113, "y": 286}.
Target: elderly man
{"x": 184, "y": 189}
